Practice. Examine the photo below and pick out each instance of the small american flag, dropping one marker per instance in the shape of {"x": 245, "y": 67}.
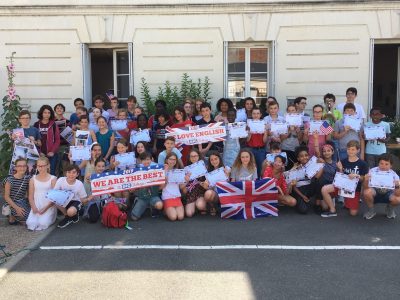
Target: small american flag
{"x": 326, "y": 128}
{"x": 110, "y": 95}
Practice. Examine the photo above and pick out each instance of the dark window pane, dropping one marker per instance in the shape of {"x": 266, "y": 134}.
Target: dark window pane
{"x": 123, "y": 86}
{"x": 258, "y": 59}
{"x": 122, "y": 62}
{"x": 236, "y": 58}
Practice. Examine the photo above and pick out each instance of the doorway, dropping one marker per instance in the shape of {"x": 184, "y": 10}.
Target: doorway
{"x": 386, "y": 79}
{"x": 107, "y": 69}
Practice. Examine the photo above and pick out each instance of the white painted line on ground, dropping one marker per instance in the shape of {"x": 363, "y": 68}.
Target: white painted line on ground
{"x": 221, "y": 247}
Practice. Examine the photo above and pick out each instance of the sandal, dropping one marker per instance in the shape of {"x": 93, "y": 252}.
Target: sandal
{"x": 13, "y": 223}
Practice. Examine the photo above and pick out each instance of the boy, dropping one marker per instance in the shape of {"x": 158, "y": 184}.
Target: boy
{"x": 331, "y": 114}
{"x": 273, "y": 110}
{"x": 78, "y": 102}
{"x": 30, "y": 132}
{"x": 376, "y": 195}
{"x": 275, "y": 148}
{"x": 147, "y": 195}
{"x": 131, "y": 103}
{"x": 345, "y": 134}
{"x": 170, "y": 148}
{"x": 355, "y": 168}
{"x": 205, "y": 110}
{"x": 351, "y": 95}
{"x": 71, "y": 183}
{"x": 375, "y": 148}
{"x": 256, "y": 141}
{"x": 98, "y": 102}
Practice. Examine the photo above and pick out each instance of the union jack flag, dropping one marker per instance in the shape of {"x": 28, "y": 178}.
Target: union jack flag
{"x": 248, "y": 199}
{"x": 326, "y": 128}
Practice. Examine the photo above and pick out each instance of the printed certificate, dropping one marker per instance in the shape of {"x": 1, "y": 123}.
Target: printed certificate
{"x": 294, "y": 119}
{"x": 216, "y": 176}
{"x": 381, "y": 180}
{"x": 353, "y": 122}
{"x": 196, "y": 170}
{"x": 80, "y": 152}
{"x": 140, "y": 136}
{"x": 176, "y": 176}
{"x": 279, "y": 127}
{"x": 237, "y": 130}
{"x": 374, "y": 132}
{"x": 256, "y": 126}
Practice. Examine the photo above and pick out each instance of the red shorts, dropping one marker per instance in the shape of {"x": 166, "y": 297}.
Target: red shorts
{"x": 350, "y": 203}
{"x": 173, "y": 202}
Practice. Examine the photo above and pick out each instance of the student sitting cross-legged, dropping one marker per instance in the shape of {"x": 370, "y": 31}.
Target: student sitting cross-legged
{"x": 382, "y": 195}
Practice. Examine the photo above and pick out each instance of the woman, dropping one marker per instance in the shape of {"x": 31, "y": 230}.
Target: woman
{"x": 223, "y": 105}
{"x": 50, "y": 135}
{"x": 180, "y": 120}
{"x": 43, "y": 213}
{"x": 15, "y": 193}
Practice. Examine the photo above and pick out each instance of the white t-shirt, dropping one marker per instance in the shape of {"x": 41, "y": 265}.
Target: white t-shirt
{"x": 171, "y": 191}
{"x": 77, "y": 188}
{"x": 359, "y": 110}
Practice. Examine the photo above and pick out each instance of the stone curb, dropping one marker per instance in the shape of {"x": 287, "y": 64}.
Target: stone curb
{"x": 8, "y": 266}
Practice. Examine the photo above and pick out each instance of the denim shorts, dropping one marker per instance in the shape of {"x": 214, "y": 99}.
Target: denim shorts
{"x": 382, "y": 198}
{"x": 142, "y": 203}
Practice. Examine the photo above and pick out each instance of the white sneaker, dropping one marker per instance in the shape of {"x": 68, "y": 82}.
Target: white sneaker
{"x": 390, "y": 213}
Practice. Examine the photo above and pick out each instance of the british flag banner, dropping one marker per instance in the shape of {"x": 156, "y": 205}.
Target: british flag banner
{"x": 194, "y": 135}
{"x": 248, "y": 199}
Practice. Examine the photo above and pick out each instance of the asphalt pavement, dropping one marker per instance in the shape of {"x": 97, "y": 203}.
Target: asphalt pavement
{"x": 215, "y": 273}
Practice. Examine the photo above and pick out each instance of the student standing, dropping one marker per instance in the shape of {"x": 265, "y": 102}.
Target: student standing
{"x": 105, "y": 137}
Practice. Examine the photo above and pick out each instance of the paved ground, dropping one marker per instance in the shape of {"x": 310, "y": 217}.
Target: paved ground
{"x": 219, "y": 274}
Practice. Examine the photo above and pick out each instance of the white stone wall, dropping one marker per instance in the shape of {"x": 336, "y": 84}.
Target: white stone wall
{"x": 319, "y": 47}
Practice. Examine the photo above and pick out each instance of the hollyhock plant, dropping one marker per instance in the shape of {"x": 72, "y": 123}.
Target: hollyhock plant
{"x": 9, "y": 119}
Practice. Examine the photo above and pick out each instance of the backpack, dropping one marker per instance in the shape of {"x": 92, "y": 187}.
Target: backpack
{"x": 113, "y": 217}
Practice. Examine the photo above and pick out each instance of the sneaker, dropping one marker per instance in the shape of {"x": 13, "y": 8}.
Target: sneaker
{"x": 75, "y": 218}
{"x": 155, "y": 213}
{"x": 370, "y": 214}
{"x": 390, "y": 213}
{"x": 328, "y": 214}
{"x": 65, "y": 222}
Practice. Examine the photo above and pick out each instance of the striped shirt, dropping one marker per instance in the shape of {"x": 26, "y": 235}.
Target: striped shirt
{"x": 19, "y": 187}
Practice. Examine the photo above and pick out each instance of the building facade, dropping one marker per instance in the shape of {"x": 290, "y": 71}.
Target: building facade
{"x": 69, "y": 49}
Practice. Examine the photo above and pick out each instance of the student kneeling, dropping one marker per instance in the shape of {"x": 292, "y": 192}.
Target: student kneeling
{"x": 376, "y": 195}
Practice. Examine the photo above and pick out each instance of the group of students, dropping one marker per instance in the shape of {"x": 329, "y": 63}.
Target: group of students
{"x": 342, "y": 150}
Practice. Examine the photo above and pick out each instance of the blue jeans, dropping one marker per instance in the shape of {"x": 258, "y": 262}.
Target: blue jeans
{"x": 53, "y": 163}
{"x": 259, "y": 155}
{"x": 142, "y": 203}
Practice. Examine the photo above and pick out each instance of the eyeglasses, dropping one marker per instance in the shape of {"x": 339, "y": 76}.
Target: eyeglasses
{"x": 42, "y": 166}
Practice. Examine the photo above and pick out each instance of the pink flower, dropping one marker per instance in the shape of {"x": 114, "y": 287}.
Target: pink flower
{"x": 11, "y": 67}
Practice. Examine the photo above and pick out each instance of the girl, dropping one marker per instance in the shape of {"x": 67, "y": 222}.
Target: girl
{"x": 123, "y": 115}
{"x": 276, "y": 171}
{"x": 304, "y": 188}
{"x": 223, "y": 105}
{"x": 15, "y": 193}
{"x": 93, "y": 204}
{"x": 122, "y": 147}
{"x": 249, "y": 105}
{"x": 197, "y": 111}
{"x": 244, "y": 167}
{"x": 171, "y": 194}
{"x": 43, "y": 213}
{"x": 141, "y": 147}
{"x": 159, "y": 132}
{"x": 180, "y": 120}
{"x": 50, "y": 135}
{"x": 96, "y": 113}
{"x": 188, "y": 107}
{"x": 211, "y": 196}
{"x": 315, "y": 139}
{"x": 140, "y": 123}
{"x": 194, "y": 189}
{"x": 328, "y": 174}
{"x": 95, "y": 152}
{"x": 291, "y": 140}
{"x": 105, "y": 137}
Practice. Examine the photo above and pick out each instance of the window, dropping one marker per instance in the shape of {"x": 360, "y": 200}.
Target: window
{"x": 247, "y": 71}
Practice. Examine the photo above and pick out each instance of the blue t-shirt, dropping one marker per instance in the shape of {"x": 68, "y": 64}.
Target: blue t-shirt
{"x": 74, "y": 119}
{"x": 32, "y": 131}
{"x": 375, "y": 147}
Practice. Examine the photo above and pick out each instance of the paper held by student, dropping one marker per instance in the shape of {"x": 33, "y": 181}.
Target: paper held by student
{"x": 196, "y": 170}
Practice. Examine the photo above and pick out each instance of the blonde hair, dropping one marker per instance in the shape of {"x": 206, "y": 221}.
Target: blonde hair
{"x": 238, "y": 162}
{"x": 195, "y": 112}
{"x": 45, "y": 160}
